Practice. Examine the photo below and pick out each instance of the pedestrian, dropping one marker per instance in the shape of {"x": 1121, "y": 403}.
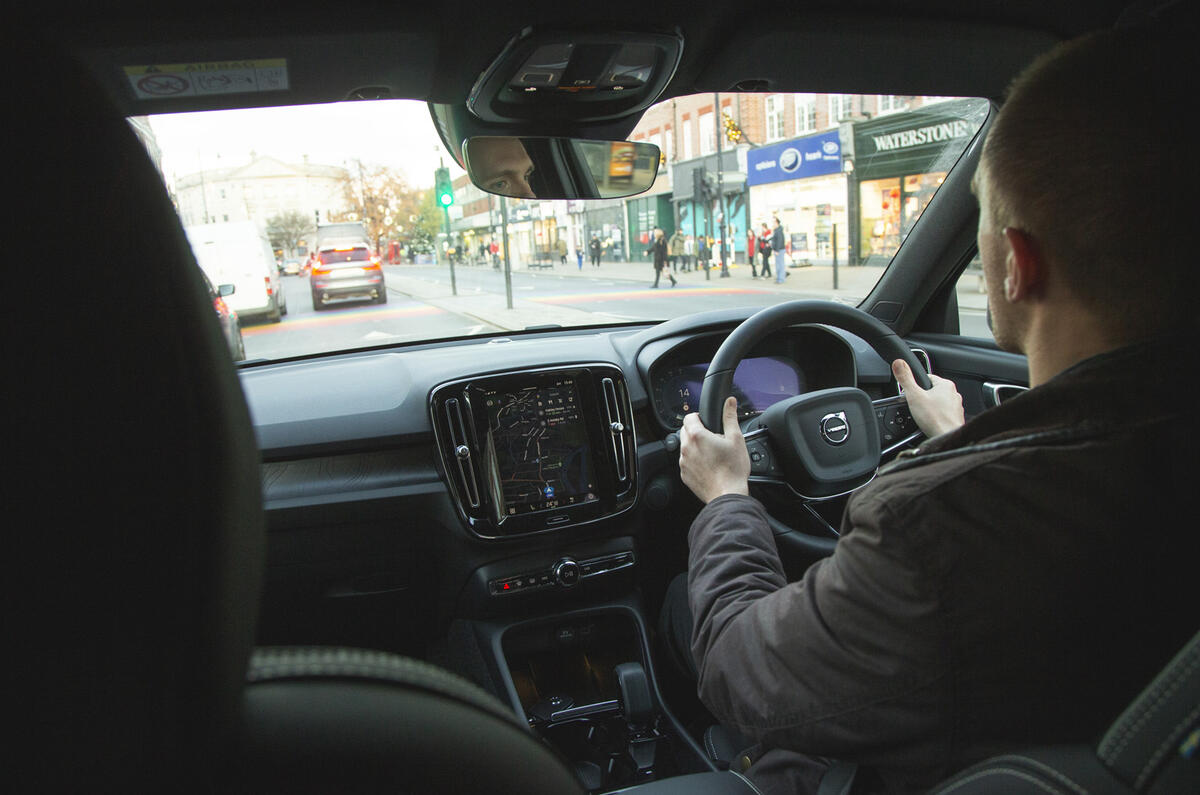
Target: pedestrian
{"x": 752, "y": 250}
{"x": 689, "y": 251}
{"x": 675, "y": 250}
{"x": 658, "y": 247}
{"x": 764, "y": 249}
{"x": 561, "y": 247}
{"x": 494, "y": 248}
{"x": 778, "y": 247}
{"x": 703, "y": 254}
{"x": 594, "y": 250}
{"x": 579, "y": 257}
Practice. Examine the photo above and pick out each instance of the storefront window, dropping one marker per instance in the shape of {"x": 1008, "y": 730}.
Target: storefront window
{"x": 880, "y": 217}
{"x": 890, "y": 209}
{"x": 918, "y": 190}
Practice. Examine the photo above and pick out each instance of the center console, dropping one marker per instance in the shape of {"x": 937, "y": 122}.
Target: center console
{"x": 531, "y": 452}
{"x": 584, "y": 682}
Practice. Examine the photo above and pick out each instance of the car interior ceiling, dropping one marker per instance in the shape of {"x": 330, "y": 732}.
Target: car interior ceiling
{"x": 155, "y": 569}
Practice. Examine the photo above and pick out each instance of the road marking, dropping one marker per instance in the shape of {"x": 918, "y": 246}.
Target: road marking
{"x": 382, "y": 335}
{"x": 648, "y": 292}
{"x": 341, "y": 318}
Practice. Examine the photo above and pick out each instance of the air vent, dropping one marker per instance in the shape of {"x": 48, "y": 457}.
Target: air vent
{"x": 618, "y": 428}
{"x": 460, "y": 451}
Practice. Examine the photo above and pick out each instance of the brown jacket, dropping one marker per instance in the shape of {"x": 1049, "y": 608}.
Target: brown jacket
{"x": 1014, "y": 583}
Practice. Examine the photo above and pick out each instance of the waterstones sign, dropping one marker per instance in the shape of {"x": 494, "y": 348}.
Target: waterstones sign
{"x": 814, "y": 156}
{"x": 928, "y": 139}
{"x": 930, "y": 134}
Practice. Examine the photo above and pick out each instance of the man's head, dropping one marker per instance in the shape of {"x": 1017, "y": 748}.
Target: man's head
{"x": 1080, "y": 175}
{"x": 500, "y": 165}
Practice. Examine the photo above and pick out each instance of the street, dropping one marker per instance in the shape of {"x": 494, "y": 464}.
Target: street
{"x": 422, "y": 305}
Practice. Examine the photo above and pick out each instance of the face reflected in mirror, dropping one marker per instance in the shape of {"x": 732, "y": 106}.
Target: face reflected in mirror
{"x": 500, "y": 165}
{"x": 560, "y": 168}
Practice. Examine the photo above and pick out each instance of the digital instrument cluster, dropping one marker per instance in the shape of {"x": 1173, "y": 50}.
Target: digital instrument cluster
{"x": 758, "y": 383}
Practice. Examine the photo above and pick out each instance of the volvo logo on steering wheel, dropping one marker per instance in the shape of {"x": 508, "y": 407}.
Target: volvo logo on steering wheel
{"x": 834, "y": 428}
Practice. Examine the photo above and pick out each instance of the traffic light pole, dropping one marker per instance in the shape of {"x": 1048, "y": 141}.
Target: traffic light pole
{"x": 724, "y": 222}
{"x": 507, "y": 261}
{"x": 446, "y": 224}
{"x": 444, "y": 196}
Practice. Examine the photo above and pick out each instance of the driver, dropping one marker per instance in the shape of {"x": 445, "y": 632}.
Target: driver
{"x": 500, "y": 164}
{"x": 1017, "y": 579}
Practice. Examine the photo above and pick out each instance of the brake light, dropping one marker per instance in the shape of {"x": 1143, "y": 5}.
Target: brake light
{"x": 267, "y": 282}
{"x": 320, "y": 270}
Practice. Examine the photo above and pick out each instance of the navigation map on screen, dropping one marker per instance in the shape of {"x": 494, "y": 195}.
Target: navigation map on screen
{"x": 541, "y": 447}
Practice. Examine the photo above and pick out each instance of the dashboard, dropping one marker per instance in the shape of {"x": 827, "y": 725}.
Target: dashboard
{"x": 430, "y": 474}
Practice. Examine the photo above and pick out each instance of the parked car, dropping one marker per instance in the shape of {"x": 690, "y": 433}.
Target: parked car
{"x": 348, "y": 271}
{"x": 239, "y": 253}
{"x": 231, "y": 326}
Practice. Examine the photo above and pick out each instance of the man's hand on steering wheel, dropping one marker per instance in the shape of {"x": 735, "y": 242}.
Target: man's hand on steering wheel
{"x": 712, "y": 465}
{"x": 936, "y": 410}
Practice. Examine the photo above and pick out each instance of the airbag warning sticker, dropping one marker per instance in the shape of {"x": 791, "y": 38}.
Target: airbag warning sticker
{"x": 161, "y": 81}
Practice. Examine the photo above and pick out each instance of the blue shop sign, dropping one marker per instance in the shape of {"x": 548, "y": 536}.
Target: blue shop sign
{"x": 814, "y": 156}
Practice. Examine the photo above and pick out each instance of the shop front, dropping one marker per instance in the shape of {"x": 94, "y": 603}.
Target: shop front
{"x": 800, "y": 182}
{"x": 604, "y": 219}
{"x": 897, "y": 165}
{"x": 704, "y": 216}
{"x": 644, "y": 213}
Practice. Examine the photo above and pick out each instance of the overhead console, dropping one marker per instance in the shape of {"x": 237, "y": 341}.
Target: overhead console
{"x": 536, "y": 450}
{"x": 577, "y": 75}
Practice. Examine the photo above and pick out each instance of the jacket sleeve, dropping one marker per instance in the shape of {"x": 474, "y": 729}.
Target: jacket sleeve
{"x": 841, "y": 661}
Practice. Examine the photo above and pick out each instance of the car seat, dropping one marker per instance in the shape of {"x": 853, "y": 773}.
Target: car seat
{"x": 136, "y": 530}
{"x": 1151, "y": 748}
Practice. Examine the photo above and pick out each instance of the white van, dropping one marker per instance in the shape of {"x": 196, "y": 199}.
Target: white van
{"x": 239, "y": 253}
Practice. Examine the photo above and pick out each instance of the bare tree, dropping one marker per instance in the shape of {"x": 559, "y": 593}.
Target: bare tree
{"x": 286, "y": 230}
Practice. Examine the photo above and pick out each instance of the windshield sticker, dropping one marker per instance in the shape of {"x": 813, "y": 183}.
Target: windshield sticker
{"x": 159, "y": 81}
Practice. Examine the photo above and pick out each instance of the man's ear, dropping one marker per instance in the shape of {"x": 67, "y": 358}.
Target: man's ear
{"x": 1024, "y": 266}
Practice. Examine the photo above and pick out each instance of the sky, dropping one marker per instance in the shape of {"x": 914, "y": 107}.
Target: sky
{"x": 395, "y": 133}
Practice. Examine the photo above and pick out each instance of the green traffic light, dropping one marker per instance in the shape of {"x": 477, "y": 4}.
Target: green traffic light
{"x": 445, "y": 193}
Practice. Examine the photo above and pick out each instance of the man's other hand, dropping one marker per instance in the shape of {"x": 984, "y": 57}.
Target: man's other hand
{"x": 712, "y": 465}
{"x": 936, "y": 410}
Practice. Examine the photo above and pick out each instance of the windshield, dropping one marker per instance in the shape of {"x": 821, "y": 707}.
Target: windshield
{"x": 783, "y": 196}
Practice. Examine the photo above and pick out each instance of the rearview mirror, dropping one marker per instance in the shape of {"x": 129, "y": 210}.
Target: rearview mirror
{"x": 560, "y": 168}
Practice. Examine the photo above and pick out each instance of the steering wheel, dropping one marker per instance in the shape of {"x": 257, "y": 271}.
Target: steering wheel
{"x": 820, "y": 444}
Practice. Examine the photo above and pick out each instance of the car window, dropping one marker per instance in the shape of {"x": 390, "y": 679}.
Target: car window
{"x": 971, "y": 293}
{"x": 776, "y": 197}
{"x": 334, "y": 256}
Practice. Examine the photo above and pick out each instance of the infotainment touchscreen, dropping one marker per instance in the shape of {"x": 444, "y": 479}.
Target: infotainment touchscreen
{"x": 540, "y": 447}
